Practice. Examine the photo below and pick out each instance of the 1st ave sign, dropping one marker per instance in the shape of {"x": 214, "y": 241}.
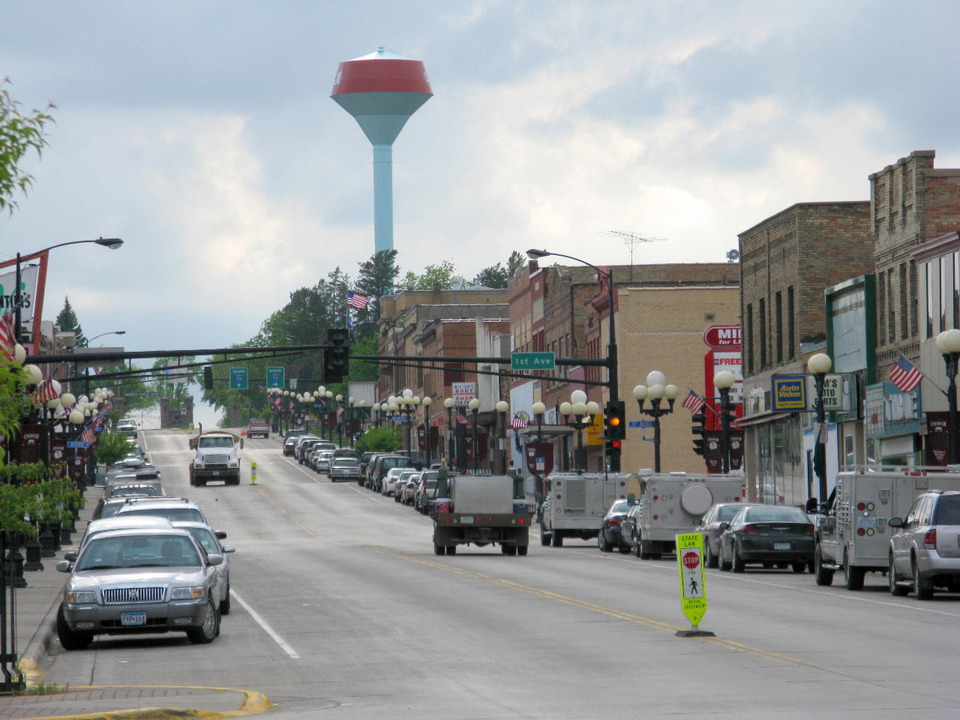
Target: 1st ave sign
{"x": 533, "y": 361}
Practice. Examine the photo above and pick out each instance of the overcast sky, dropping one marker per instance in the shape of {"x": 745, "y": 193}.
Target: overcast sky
{"x": 203, "y": 134}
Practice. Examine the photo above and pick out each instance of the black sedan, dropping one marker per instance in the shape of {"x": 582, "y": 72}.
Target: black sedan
{"x": 773, "y": 535}
{"x": 710, "y": 527}
{"x": 609, "y": 536}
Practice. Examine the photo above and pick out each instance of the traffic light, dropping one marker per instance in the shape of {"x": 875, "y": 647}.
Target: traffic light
{"x": 336, "y": 355}
{"x": 615, "y": 421}
{"x": 207, "y": 377}
{"x": 699, "y": 431}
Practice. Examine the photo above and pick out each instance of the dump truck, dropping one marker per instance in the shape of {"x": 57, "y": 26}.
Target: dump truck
{"x": 480, "y": 510}
{"x": 852, "y": 536}
{"x": 258, "y": 427}
{"x": 217, "y": 457}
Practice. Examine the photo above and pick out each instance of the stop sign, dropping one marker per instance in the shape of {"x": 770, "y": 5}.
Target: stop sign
{"x": 691, "y": 560}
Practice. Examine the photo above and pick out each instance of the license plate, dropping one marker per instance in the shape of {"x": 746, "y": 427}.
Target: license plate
{"x": 466, "y": 520}
{"x": 216, "y": 472}
{"x": 133, "y": 618}
{"x": 781, "y": 546}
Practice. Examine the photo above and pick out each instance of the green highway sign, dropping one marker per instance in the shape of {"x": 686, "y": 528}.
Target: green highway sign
{"x": 238, "y": 379}
{"x": 275, "y": 377}
{"x": 533, "y": 361}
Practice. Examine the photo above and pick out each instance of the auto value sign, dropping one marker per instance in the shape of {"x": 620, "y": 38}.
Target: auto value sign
{"x": 693, "y": 589}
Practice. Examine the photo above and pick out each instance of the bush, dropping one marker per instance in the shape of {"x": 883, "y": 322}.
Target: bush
{"x": 111, "y": 447}
{"x": 383, "y": 439}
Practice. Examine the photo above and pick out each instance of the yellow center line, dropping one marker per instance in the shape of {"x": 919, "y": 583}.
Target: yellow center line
{"x": 601, "y": 609}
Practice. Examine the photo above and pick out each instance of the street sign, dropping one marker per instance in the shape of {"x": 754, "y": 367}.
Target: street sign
{"x": 238, "y": 379}
{"x": 463, "y": 393}
{"x": 533, "y": 361}
{"x": 693, "y": 590}
{"x": 275, "y": 377}
{"x": 77, "y": 444}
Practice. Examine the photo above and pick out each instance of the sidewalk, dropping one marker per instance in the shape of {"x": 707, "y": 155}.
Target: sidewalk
{"x": 35, "y": 625}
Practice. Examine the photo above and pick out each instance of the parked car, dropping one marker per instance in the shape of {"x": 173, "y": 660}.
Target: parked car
{"x": 95, "y": 527}
{"x": 925, "y": 549}
{"x": 629, "y": 529}
{"x": 321, "y": 462}
{"x": 364, "y": 461}
{"x": 382, "y": 465}
{"x": 209, "y": 539}
{"x": 710, "y": 528}
{"x": 344, "y": 469}
{"x": 304, "y": 447}
{"x": 425, "y": 488}
{"x": 173, "y": 509}
{"x": 138, "y": 581}
{"x": 406, "y": 486}
{"x": 388, "y": 485}
{"x": 609, "y": 536}
{"x": 289, "y": 444}
{"x": 769, "y": 534}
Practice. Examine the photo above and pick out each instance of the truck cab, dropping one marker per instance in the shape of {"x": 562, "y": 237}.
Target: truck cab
{"x": 217, "y": 458}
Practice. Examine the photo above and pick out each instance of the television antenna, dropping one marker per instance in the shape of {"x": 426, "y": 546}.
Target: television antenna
{"x": 633, "y": 239}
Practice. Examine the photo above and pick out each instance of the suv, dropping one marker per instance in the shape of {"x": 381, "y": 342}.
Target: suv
{"x": 381, "y": 465}
{"x": 925, "y": 553}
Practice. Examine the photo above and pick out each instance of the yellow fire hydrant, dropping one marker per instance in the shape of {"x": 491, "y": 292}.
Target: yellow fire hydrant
{"x": 253, "y": 473}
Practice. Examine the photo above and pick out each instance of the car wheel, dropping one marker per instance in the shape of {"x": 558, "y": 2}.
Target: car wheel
{"x": 724, "y": 565}
{"x": 922, "y": 589}
{"x": 451, "y": 549}
{"x": 895, "y": 588}
{"x": 709, "y": 559}
{"x": 852, "y": 576}
{"x": 225, "y": 603}
{"x": 511, "y": 550}
{"x": 602, "y": 543}
{"x": 69, "y": 639}
{"x": 557, "y": 539}
{"x": 544, "y": 538}
{"x": 824, "y": 576}
{"x": 439, "y": 549}
{"x": 207, "y": 632}
{"x": 624, "y": 549}
{"x": 799, "y": 566}
{"x": 736, "y": 562}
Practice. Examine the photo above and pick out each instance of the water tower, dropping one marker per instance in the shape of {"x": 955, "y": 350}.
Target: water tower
{"x": 381, "y": 91}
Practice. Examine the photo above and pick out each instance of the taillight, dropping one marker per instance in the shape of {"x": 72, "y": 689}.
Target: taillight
{"x": 616, "y": 520}
{"x": 808, "y": 530}
{"x": 930, "y": 539}
{"x": 747, "y": 530}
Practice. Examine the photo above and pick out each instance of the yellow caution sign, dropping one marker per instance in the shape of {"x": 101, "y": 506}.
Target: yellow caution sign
{"x": 693, "y": 586}
{"x": 253, "y": 473}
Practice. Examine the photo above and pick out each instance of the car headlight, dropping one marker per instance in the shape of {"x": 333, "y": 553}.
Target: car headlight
{"x": 78, "y": 597}
{"x": 194, "y": 592}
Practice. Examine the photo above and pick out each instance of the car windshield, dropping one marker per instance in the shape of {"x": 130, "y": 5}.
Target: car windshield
{"x": 206, "y": 539}
{"x": 345, "y": 462}
{"x": 728, "y": 511}
{"x": 620, "y": 506}
{"x": 775, "y": 514}
{"x": 129, "y": 551}
{"x": 216, "y": 442}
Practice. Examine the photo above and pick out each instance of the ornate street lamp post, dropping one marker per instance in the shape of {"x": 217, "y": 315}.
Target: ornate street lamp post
{"x": 582, "y": 412}
{"x": 656, "y": 391}
{"x": 723, "y": 381}
{"x": 448, "y": 403}
{"x": 820, "y": 365}
{"x": 425, "y": 404}
{"x": 538, "y": 411}
{"x": 948, "y": 345}
{"x": 503, "y": 407}
{"x": 474, "y": 406}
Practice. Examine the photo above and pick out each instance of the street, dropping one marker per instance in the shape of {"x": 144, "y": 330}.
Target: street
{"x": 340, "y": 604}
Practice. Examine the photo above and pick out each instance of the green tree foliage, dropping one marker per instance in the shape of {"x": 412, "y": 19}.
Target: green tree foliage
{"x": 498, "y": 276}
{"x": 13, "y": 403}
{"x": 382, "y": 439}
{"x": 111, "y": 447}
{"x": 377, "y": 278}
{"x": 67, "y": 322}
{"x": 434, "y": 277}
{"x": 19, "y": 134}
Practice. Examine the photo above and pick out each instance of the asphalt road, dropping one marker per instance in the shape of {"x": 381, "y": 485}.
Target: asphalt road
{"x": 340, "y": 605}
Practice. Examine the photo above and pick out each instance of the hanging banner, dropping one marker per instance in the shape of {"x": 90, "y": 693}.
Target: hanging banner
{"x": 33, "y": 276}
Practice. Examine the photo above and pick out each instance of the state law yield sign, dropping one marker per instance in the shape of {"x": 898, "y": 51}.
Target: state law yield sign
{"x": 693, "y": 588}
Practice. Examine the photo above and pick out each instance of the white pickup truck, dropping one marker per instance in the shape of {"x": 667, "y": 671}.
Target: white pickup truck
{"x": 216, "y": 458}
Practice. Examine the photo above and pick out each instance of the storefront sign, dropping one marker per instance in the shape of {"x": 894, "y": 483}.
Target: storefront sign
{"x": 789, "y": 393}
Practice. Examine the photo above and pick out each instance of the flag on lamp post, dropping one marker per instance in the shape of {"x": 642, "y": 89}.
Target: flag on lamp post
{"x": 694, "y": 403}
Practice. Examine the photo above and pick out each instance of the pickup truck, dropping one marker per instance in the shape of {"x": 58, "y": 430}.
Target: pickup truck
{"x": 258, "y": 427}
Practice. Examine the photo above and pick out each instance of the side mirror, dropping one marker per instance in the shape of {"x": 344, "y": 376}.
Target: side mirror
{"x": 896, "y": 522}
{"x": 631, "y": 499}
{"x": 812, "y": 505}
{"x": 723, "y": 526}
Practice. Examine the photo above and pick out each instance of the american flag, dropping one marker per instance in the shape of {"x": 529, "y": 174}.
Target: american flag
{"x": 8, "y": 339}
{"x": 356, "y": 300}
{"x": 461, "y": 419}
{"x": 905, "y": 375}
{"x": 694, "y": 403}
{"x": 46, "y": 391}
{"x": 89, "y": 436}
{"x": 518, "y": 422}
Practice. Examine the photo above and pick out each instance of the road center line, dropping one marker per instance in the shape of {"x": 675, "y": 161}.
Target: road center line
{"x": 277, "y": 638}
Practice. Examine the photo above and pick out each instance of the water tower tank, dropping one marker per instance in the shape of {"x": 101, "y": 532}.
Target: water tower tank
{"x": 381, "y": 91}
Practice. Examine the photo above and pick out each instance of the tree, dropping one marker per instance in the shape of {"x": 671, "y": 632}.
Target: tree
{"x": 377, "y": 277}
{"x": 434, "y": 277}
{"x": 19, "y": 134}
{"x": 67, "y": 322}
{"x": 498, "y": 276}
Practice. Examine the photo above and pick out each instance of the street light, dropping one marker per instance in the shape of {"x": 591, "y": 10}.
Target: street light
{"x": 448, "y": 403}
{"x": 425, "y": 404}
{"x": 112, "y": 243}
{"x": 583, "y": 413}
{"x": 948, "y": 345}
{"x": 538, "y": 411}
{"x": 723, "y": 381}
{"x": 656, "y": 391}
{"x": 474, "y": 406}
{"x": 820, "y": 365}
{"x": 503, "y": 407}
{"x": 112, "y": 332}
{"x": 612, "y": 381}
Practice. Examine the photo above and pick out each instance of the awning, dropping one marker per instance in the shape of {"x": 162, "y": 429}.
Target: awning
{"x": 763, "y": 419}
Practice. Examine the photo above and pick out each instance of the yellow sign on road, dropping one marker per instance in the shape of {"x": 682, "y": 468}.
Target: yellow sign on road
{"x": 693, "y": 587}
